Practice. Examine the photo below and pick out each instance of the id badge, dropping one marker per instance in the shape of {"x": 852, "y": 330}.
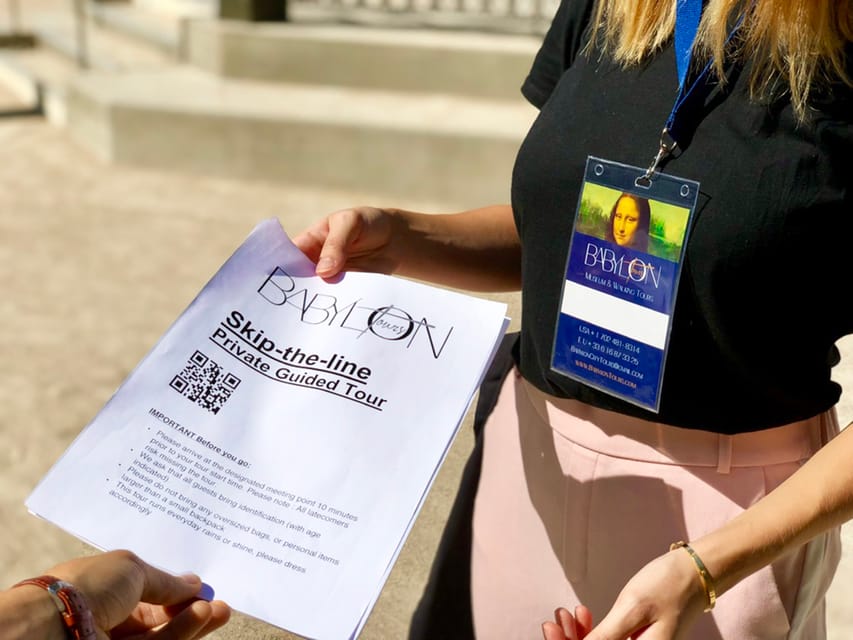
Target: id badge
{"x": 624, "y": 263}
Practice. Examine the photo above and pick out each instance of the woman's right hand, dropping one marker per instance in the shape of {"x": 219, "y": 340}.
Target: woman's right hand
{"x": 358, "y": 239}
{"x": 478, "y": 250}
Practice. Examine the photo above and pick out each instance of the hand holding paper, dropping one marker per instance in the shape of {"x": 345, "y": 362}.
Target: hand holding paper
{"x": 284, "y": 432}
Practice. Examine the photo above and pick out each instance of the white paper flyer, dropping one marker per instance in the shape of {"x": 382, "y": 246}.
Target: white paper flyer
{"x": 281, "y": 436}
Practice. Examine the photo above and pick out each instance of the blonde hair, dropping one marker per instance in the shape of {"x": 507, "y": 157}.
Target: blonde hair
{"x": 796, "y": 44}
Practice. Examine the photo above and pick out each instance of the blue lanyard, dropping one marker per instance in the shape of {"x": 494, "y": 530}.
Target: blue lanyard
{"x": 687, "y": 16}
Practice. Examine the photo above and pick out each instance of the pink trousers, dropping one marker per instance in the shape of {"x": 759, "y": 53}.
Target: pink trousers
{"x": 574, "y": 500}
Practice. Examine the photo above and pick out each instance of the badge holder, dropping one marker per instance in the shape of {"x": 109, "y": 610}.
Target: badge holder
{"x": 625, "y": 257}
{"x": 626, "y": 252}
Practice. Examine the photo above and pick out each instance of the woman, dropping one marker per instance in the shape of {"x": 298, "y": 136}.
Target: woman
{"x": 581, "y": 493}
{"x": 629, "y": 222}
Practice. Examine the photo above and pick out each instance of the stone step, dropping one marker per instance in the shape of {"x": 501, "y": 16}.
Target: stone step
{"x": 153, "y": 25}
{"x": 102, "y": 47}
{"x": 384, "y": 57}
{"x": 41, "y": 75}
{"x": 459, "y": 63}
{"x": 15, "y": 102}
{"x": 425, "y": 138}
{"x": 425, "y": 146}
{"x": 38, "y": 77}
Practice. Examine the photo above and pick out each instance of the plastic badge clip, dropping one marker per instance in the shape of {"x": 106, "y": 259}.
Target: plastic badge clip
{"x": 667, "y": 146}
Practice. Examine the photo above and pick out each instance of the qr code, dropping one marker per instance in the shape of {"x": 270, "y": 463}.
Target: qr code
{"x": 204, "y": 382}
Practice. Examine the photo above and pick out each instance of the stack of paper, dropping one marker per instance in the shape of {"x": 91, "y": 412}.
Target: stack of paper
{"x": 281, "y": 436}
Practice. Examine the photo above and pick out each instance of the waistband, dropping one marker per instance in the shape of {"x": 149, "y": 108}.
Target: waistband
{"x": 633, "y": 438}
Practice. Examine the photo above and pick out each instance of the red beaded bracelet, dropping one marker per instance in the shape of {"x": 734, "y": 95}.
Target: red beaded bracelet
{"x": 76, "y": 616}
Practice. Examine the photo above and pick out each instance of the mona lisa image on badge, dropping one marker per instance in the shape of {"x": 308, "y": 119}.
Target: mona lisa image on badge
{"x": 632, "y": 221}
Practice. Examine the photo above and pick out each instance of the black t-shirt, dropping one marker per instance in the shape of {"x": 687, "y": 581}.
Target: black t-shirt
{"x": 761, "y": 300}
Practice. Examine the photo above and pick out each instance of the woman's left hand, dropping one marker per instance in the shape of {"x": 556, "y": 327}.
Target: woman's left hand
{"x": 660, "y": 602}
{"x": 567, "y": 626}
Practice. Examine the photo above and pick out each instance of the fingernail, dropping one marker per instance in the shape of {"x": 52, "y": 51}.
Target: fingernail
{"x": 201, "y": 609}
{"x": 190, "y": 578}
{"x": 206, "y": 592}
{"x": 325, "y": 264}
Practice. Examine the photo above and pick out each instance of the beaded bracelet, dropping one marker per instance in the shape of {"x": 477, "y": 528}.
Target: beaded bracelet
{"x": 76, "y": 616}
{"x": 702, "y": 570}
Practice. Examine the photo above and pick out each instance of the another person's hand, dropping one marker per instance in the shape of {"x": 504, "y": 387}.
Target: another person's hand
{"x": 567, "y": 626}
{"x": 130, "y": 598}
{"x": 357, "y": 239}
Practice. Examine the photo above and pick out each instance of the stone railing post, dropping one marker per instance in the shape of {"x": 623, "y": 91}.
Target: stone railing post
{"x": 254, "y": 10}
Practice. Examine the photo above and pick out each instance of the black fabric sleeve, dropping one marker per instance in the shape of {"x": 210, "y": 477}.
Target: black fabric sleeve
{"x": 563, "y": 41}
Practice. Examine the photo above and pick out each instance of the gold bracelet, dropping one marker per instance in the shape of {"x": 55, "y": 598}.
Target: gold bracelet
{"x": 702, "y": 570}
